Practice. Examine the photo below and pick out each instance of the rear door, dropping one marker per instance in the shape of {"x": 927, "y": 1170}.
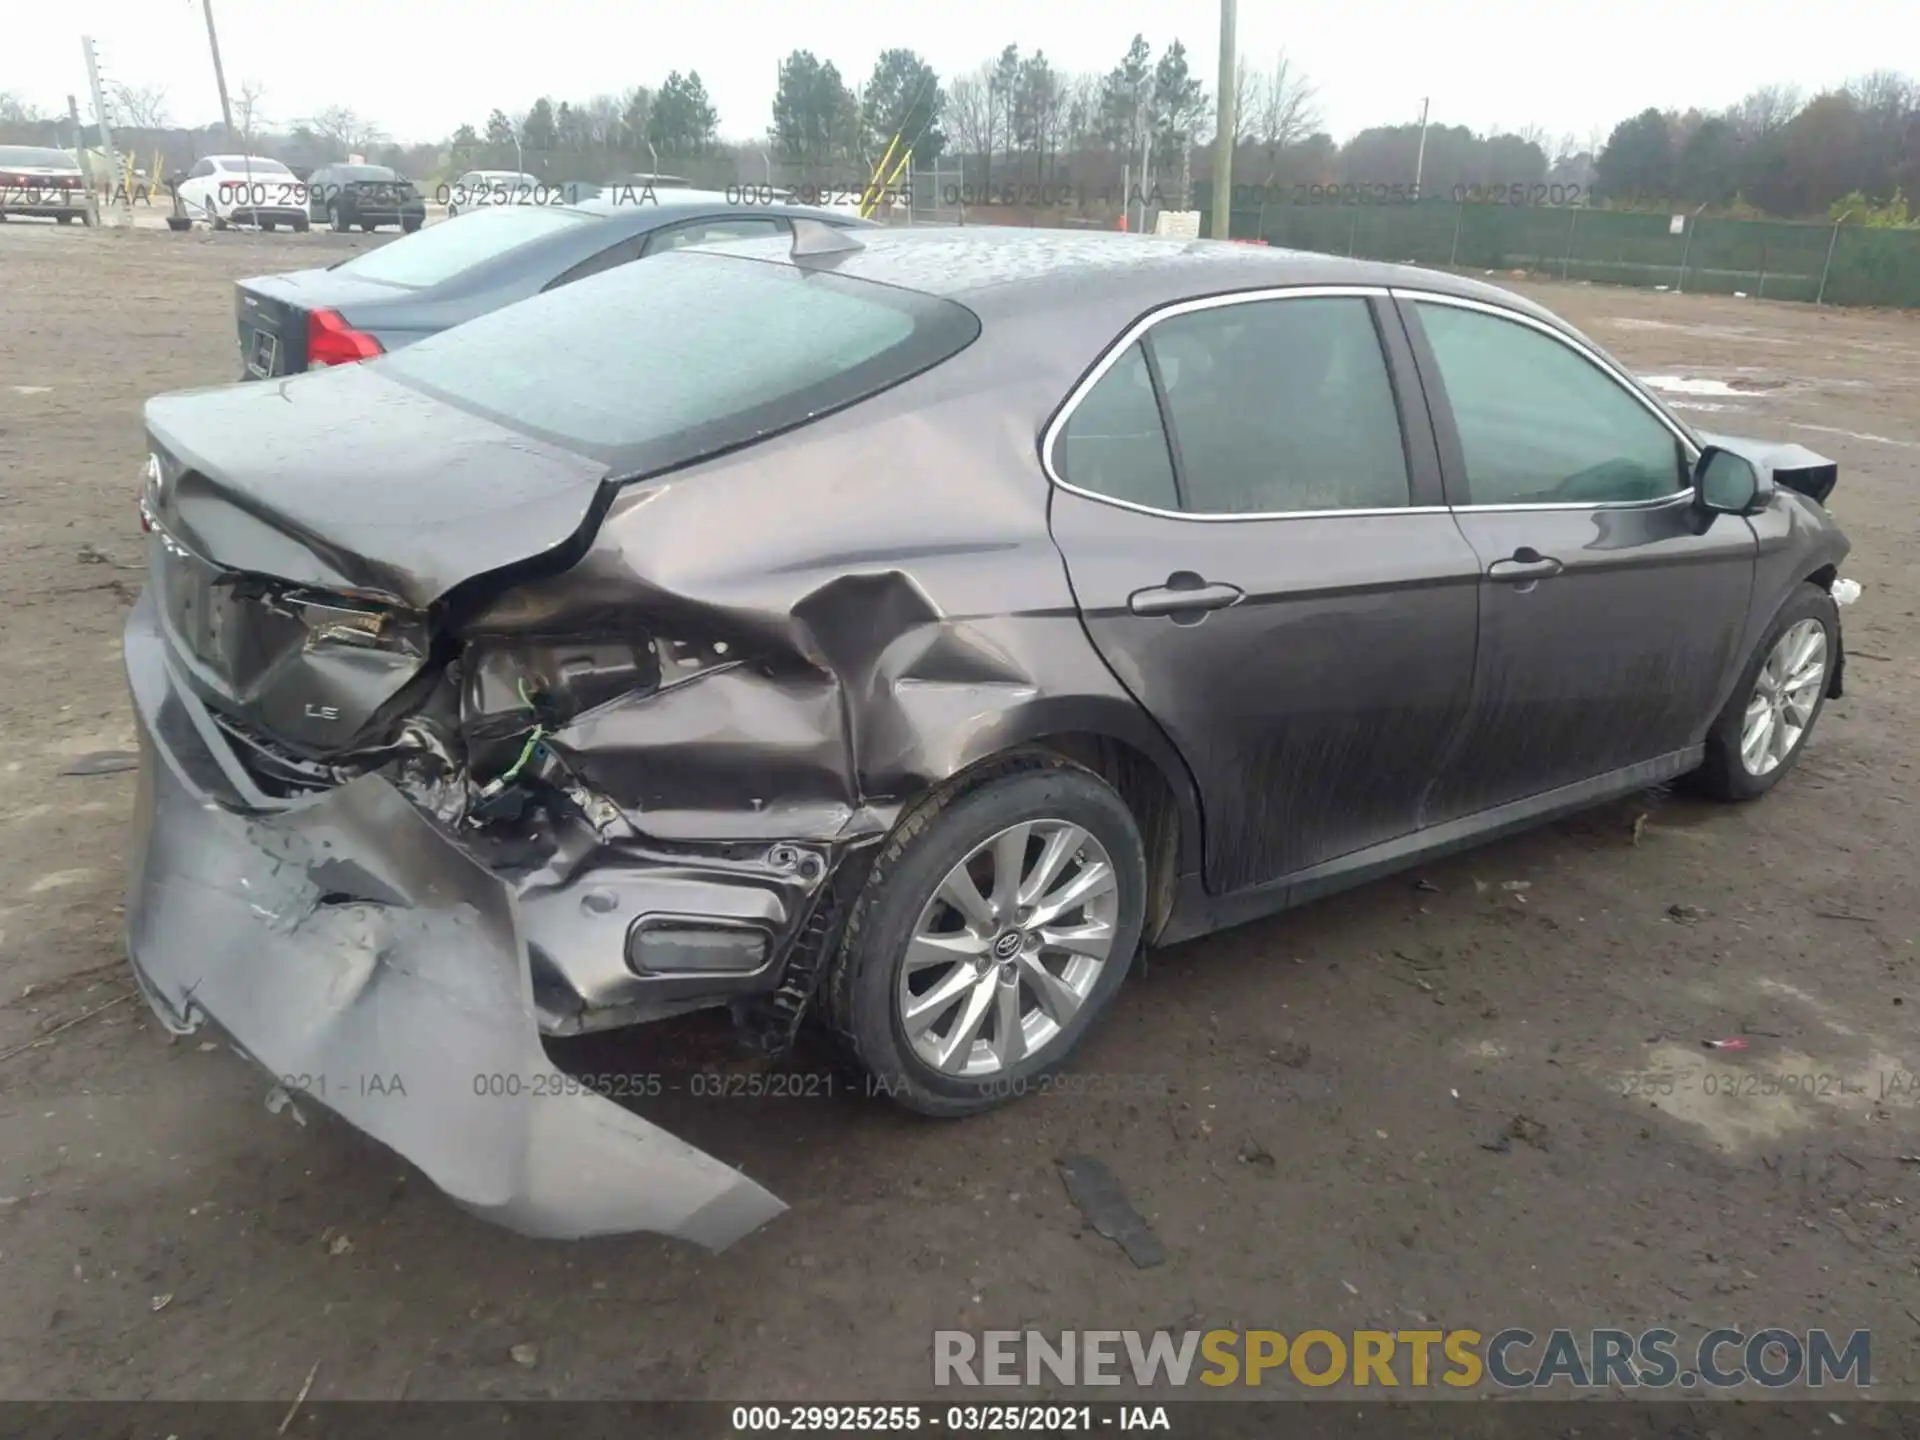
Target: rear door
{"x": 1611, "y": 607}
{"x": 1259, "y": 545}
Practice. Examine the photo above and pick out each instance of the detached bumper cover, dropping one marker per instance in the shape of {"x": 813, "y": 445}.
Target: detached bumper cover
{"x": 351, "y": 944}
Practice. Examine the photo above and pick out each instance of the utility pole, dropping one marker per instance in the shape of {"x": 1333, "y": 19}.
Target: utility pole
{"x": 1420, "y": 159}
{"x": 219, "y": 74}
{"x": 1226, "y": 123}
{"x": 100, "y": 114}
{"x": 86, "y": 161}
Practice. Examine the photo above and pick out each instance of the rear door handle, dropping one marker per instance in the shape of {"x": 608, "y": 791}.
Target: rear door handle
{"x": 1185, "y": 594}
{"x": 1526, "y": 564}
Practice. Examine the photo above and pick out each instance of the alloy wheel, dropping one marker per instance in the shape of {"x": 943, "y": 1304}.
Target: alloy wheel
{"x": 1008, "y": 949}
{"x": 1784, "y": 695}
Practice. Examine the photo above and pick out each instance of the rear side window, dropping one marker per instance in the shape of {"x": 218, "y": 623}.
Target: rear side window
{"x": 712, "y": 232}
{"x": 1113, "y": 443}
{"x": 439, "y": 252}
{"x": 35, "y": 157}
{"x": 1280, "y": 406}
{"x": 656, "y": 364}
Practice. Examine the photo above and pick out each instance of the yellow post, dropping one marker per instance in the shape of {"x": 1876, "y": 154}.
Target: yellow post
{"x": 873, "y": 181}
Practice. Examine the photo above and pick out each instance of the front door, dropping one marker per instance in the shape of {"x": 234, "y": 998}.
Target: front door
{"x": 1261, "y": 556}
{"x": 1611, "y": 607}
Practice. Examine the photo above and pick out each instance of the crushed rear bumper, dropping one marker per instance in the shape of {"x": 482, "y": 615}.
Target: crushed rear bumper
{"x": 355, "y": 951}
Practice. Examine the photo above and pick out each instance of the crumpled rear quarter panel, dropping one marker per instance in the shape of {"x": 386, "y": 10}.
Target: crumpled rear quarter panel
{"x": 353, "y": 950}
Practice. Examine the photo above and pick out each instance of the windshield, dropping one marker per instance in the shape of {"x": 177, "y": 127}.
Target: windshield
{"x": 439, "y": 252}
{"x": 32, "y": 156}
{"x": 685, "y": 355}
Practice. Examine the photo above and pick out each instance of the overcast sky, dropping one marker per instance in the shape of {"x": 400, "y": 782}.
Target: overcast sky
{"x": 418, "y": 68}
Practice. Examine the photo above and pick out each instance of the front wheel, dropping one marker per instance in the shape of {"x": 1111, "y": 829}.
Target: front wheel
{"x": 994, "y": 928}
{"x": 1781, "y": 692}
{"x": 410, "y": 225}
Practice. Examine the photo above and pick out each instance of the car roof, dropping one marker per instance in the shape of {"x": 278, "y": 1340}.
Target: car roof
{"x": 1005, "y": 268}
{"x": 243, "y": 159}
{"x": 645, "y": 212}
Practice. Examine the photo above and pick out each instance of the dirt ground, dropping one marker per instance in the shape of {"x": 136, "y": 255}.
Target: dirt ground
{"x": 163, "y": 1235}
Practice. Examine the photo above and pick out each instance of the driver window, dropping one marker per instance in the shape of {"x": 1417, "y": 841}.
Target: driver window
{"x": 200, "y": 170}
{"x": 1539, "y": 423}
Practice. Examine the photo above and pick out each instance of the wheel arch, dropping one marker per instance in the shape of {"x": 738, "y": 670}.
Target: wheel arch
{"x": 1148, "y": 775}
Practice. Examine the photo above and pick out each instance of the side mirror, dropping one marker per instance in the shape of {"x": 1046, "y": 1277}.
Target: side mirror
{"x": 1725, "y": 483}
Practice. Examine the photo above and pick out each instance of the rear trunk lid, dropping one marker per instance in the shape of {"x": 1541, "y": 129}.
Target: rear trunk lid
{"x": 305, "y": 535}
{"x": 270, "y": 313}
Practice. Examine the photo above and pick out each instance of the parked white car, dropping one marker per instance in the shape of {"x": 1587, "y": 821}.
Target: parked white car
{"x": 223, "y": 190}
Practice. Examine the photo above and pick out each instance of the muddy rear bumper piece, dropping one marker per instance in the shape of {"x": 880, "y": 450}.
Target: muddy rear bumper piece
{"x": 350, "y": 944}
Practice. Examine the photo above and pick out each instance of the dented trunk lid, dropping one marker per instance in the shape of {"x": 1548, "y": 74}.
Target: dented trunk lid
{"x": 306, "y": 531}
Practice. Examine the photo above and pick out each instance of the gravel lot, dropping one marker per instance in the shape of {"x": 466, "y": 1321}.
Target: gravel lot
{"x": 163, "y": 1235}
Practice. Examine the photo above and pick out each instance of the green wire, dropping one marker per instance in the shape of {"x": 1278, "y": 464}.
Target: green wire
{"x": 533, "y": 740}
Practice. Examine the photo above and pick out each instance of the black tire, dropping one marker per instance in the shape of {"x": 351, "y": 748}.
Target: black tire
{"x": 337, "y": 219}
{"x": 858, "y": 992}
{"x": 64, "y": 219}
{"x": 410, "y": 225}
{"x": 219, "y": 223}
{"x": 1723, "y": 774}
{"x": 268, "y": 224}
{"x": 367, "y": 225}
{"x": 301, "y": 224}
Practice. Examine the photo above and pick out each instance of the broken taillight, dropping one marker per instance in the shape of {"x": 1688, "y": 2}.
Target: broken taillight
{"x": 332, "y": 341}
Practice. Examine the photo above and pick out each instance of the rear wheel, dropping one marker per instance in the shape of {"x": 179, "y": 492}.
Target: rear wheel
{"x": 367, "y": 225}
{"x": 1782, "y": 690}
{"x": 268, "y": 224}
{"x": 410, "y": 225}
{"x": 64, "y": 219}
{"x": 301, "y": 224}
{"x": 994, "y": 929}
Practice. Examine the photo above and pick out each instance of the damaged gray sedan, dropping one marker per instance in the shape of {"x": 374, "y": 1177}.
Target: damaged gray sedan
{"x": 901, "y": 631}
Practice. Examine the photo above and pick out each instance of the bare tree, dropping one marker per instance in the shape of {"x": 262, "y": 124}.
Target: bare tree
{"x": 1765, "y": 110}
{"x": 600, "y": 116}
{"x": 969, "y": 115}
{"x": 344, "y": 130}
{"x": 247, "y": 113}
{"x": 1885, "y": 91}
{"x": 142, "y": 107}
{"x": 16, "y": 111}
{"x": 1083, "y": 110}
{"x": 1248, "y": 89}
{"x": 1289, "y": 105}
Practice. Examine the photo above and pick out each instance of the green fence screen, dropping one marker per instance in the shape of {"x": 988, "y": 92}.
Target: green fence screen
{"x": 1768, "y": 259}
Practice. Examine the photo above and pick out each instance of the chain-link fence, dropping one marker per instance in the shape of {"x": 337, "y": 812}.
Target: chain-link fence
{"x": 1770, "y": 259}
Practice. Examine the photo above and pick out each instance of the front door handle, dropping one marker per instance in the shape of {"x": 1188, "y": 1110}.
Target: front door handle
{"x": 1526, "y": 564}
{"x": 1185, "y": 593}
